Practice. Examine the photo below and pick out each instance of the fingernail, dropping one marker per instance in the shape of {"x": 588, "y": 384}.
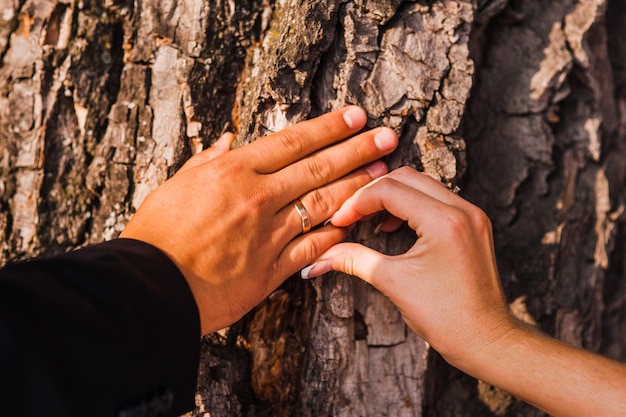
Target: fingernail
{"x": 316, "y": 269}
{"x": 378, "y": 228}
{"x": 385, "y": 139}
{"x": 327, "y": 222}
{"x": 377, "y": 169}
{"x": 354, "y": 117}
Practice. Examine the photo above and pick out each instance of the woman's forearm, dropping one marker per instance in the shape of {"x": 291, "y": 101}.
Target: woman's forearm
{"x": 558, "y": 378}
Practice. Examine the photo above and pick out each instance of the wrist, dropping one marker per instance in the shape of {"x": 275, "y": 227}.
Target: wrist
{"x": 485, "y": 344}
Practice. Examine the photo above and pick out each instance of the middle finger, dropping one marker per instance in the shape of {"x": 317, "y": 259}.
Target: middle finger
{"x": 332, "y": 163}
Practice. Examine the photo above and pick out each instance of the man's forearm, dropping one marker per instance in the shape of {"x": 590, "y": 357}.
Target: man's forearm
{"x": 107, "y": 329}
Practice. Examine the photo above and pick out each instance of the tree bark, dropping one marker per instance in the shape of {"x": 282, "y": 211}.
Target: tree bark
{"x": 520, "y": 102}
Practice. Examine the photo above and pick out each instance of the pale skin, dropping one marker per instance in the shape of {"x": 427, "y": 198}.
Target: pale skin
{"x": 448, "y": 290}
{"x": 227, "y": 220}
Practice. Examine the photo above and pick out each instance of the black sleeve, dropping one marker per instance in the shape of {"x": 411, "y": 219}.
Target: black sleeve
{"x": 109, "y": 330}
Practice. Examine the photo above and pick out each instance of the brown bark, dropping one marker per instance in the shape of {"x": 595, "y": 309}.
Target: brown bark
{"x": 102, "y": 101}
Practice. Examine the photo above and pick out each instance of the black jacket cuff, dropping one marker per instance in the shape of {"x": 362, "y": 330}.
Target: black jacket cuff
{"x": 111, "y": 329}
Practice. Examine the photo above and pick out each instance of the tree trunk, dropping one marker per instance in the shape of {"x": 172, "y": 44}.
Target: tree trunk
{"x": 100, "y": 102}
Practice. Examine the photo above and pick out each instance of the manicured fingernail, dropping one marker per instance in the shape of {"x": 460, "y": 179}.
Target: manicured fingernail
{"x": 316, "y": 269}
{"x": 385, "y": 139}
{"x": 327, "y": 222}
{"x": 378, "y": 228}
{"x": 377, "y": 169}
{"x": 354, "y": 117}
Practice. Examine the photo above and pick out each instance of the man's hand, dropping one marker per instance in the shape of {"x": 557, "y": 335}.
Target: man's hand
{"x": 229, "y": 223}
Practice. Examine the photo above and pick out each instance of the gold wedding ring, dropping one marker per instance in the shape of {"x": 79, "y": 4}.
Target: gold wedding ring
{"x": 304, "y": 215}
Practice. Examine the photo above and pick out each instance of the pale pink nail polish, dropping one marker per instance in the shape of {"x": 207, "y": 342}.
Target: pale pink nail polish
{"x": 316, "y": 269}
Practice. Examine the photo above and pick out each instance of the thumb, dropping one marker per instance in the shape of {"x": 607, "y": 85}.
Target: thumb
{"x": 220, "y": 147}
{"x": 349, "y": 258}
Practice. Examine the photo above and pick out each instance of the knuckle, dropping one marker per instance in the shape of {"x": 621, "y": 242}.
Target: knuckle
{"x": 479, "y": 219}
{"x": 405, "y": 170}
{"x": 320, "y": 169}
{"x": 386, "y": 182}
{"x": 230, "y": 167}
{"x": 256, "y": 195}
{"x": 276, "y": 269}
{"x": 312, "y": 249}
{"x": 258, "y": 198}
{"x": 361, "y": 153}
{"x": 456, "y": 221}
{"x": 402, "y": 172}
{"x": 320, "y": 202}
{"x": 348, "y": 265}
{"x": 291, "y": 141}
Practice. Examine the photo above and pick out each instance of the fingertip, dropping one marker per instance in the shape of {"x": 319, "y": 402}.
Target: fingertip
{"x": 346, "y": 216}
{"x": 386, "y": 139}
{"x": 355, "y": 117}
{"x": 316, "y": 269}
{"x": 220, "y": 147}
{"x": 377, "y": 169}
{"x": 225, "y": 141}
{"x": 340, "y": 219}
{"x": 389, "y": 224}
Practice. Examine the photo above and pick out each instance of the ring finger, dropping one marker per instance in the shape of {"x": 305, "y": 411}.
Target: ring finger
{"x": 320, "y": 203}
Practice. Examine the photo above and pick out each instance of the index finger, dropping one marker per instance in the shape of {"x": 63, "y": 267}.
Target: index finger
{"x": 276, "y": 151}
{"x": 399, "y": 199}
{"x": 356, "y": 207}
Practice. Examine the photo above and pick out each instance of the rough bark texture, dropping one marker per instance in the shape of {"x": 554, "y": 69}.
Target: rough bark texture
{"x": 102, "y": 101}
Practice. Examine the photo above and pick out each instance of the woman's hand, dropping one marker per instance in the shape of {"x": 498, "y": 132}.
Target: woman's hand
{"x": 446, "y": 286}
{"x": 228, "y": 221}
